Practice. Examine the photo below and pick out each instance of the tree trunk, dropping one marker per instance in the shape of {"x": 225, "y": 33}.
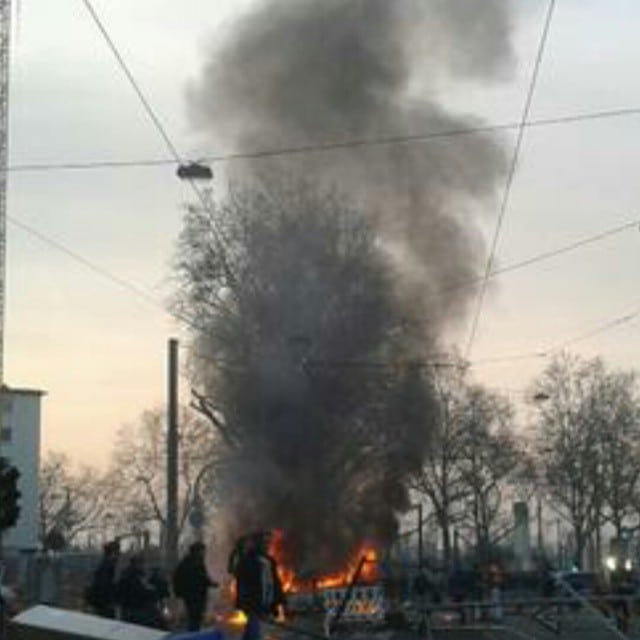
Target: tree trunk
{"x": 580, "y": 545}
{"x": 446, "y": 542}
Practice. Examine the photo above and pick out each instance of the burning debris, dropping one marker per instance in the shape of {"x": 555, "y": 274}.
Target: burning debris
{"x": 362, "y": 567}
{"x": 353, "y": 594}
{"x": 316, "y": 447}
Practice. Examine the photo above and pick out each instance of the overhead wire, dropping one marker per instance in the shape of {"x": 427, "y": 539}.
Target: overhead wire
{"x": 152, "y": 115}
{"x": 545, "y": 255}
{"x": 521, "y": 127}
{"x": 132, "y": 81}
{"x": 506, "y": 198}
{"x": 549, "y": 352}
{"x": 328, "y": 146}
{"x": 89, "y": 264}
{"x": 431, "y": 361}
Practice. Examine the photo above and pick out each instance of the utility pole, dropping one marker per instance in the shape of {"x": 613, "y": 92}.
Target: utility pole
{"x": 171, "y": 537}
{"x": 5, "y": 62}
{"x": 5, "y": 59}
{"x": 540, "y": 526}
{"x": 420, "y": 539}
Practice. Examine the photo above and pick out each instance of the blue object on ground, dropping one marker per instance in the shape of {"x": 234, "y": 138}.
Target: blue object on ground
{"x": 205, "y": 634}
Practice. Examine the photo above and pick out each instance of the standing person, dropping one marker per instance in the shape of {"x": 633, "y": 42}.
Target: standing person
{"x": 101, "y": 594}
{"x": 258, "y": 586}
{"x": 135, "y": 595}
{"x": 191, "y": 582}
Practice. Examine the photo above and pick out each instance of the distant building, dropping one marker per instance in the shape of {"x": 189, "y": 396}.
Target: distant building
{"x": 20, "y": 444}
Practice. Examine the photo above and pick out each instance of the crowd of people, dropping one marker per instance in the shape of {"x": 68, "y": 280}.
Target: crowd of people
{"x": 139, "y": 596}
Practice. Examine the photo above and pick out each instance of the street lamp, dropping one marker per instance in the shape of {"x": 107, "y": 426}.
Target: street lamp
{"x": 194, "y": 171}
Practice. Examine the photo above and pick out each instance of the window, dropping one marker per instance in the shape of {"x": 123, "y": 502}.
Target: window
{"x": 5, "y": 434}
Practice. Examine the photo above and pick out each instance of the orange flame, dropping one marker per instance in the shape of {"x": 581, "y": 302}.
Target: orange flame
{"x": 237, "y": 619}
{"x": 292, "y": 584}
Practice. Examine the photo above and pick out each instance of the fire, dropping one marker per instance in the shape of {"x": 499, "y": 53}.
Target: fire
{"x": 368, "y": 572}
{"x": 362, "y": 565}
{"x": 237, "y": 619}
{"x": 365, "y": 559}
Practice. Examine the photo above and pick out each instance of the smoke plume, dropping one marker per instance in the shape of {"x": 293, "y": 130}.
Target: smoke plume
{"x": 311, "y": 72}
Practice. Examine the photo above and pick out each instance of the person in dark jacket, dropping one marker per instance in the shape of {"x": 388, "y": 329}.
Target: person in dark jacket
{"x": 258, "y": 586}
{"x": 191, "y": 583}
{"x": 101, "y": 594}
{"x": 136, "y": 596}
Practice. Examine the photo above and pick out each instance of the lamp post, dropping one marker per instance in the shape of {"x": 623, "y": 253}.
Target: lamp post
{"x": 419, "y": 509}
{"x": 191, "y": 172}
{"x": 171, "y": 539}
{"x": 197, "y": 512}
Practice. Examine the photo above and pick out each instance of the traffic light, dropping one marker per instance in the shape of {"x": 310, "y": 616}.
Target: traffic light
{"x": 9, "y": 495}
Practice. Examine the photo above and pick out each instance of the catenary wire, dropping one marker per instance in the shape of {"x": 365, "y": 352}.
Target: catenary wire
{"x": 132, "y": 81}
{"x": 151, "y": 299}
{"x": 510, "y": 178}
{"x": 329, "y": 146}
{"x": 545, "y": 255}
{"x": 89, "y": 264}
{"x": 152, "y": 115}
{"x": 599, "y": 329}
{"x": 103, "y": 272}
{"x": 522, "y": 126}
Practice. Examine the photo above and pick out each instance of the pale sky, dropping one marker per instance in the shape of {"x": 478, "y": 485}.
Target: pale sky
{"x": 99, "y": 350}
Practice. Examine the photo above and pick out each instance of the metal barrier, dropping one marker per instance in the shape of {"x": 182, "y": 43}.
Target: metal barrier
{"x": 354, "y": 604}
{"x": 545, "y": 613}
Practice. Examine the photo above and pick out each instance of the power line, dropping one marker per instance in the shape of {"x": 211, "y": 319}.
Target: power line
{"x": 433, "y": 360}
{"x": 132, "y": 81}
{"x": 329, "y": 146}
{"x": 155, "y": 120}
{"x": 105, "y": 273}
{"x": 510, "y": 177}
{"x": 89, "y": 264}
{"x": 546, "y": 255}
{"x": 599, "y": 329}
{"x": 521, "y": 126}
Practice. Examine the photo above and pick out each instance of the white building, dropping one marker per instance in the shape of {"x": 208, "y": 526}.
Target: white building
{"x": 20, "y": 443}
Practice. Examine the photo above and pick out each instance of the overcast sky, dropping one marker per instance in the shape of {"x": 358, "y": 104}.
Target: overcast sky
{"x": 99, "y": 350}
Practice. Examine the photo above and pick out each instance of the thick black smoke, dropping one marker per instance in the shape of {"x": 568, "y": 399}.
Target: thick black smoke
{"x": 304, "y": 72}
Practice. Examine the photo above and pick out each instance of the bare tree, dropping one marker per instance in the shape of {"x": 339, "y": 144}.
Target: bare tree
{"x": 491, "y": 462}
{"x": 441, "y": 478}
{"x": 581, "y": 424}
{"x": 618, "y": 413}
{"x": 474, "y": 462}
{"x": 72, "y": 502}
{"x": 137, "y": 476}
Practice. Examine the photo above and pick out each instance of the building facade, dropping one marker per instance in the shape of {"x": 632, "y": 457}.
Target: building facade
{"x": 20, "y": 444}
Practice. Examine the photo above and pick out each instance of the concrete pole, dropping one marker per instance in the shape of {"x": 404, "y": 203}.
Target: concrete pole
{"x": 171, "y": 537}
{"x": 420, "y": 538}
{"x": 540, "y": 527}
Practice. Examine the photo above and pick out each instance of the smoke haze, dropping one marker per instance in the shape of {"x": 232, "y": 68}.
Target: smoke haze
{"x": 304, "y": 72}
